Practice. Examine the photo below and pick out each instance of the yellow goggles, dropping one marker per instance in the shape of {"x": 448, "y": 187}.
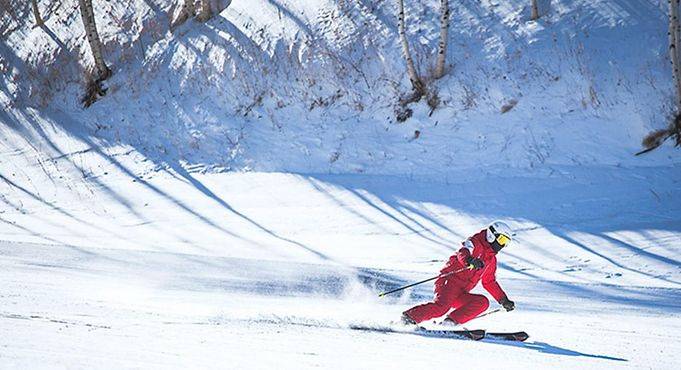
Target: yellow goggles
{"x": 503, "y": 239}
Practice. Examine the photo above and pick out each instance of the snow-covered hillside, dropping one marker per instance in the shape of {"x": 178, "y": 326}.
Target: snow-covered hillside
{"x": 312, "y": 86}
{"x": 243, "y": 191}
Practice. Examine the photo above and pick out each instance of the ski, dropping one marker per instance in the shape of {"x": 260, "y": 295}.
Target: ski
{"x": 418, "y": 330}
{"x": 519, "y": 336}
{"x": 477, "y": 334}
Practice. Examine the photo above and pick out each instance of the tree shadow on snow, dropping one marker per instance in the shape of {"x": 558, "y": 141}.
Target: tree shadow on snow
{"x": 545, "y": 201}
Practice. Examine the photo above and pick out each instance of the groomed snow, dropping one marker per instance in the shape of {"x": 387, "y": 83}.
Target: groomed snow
{"x": 271, "y": 270}
{"x": 238, "y": 199}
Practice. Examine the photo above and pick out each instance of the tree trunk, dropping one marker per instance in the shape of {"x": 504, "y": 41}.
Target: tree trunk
{"x": 88, "y": 16}
{"x": 658, "y": 137}
{"x": 188, "y": 10}
{"x": 416, "y": 82}
{"x": 189, "y": 7}
{"x": 36, "y": 12}
{"x": 442, "y": 46}
{"x": 209, "y": 8}
{"x": 674, "y": 52}
{"x": 535, "y": 11}
{"x": 206, "y": 11}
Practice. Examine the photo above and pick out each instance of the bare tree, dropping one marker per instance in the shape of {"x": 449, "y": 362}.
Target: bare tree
{"x": 211, "y": 7}
{"x": 658, "y": 137}
{"x": 88, "y": 16}
{"x": 674, "y": 50}
{"x": 189, "y": 6}
{"x": 36, "y": 13}
{"x": 206, "y": 11}
{"x": 535, "y": 11}
{"x": 188, "y": 10}
{"x": 416, "y": 82}
{"x": 442, "y": 46}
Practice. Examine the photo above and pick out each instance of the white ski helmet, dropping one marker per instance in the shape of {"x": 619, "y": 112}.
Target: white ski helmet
{"x": 499, "y": 231}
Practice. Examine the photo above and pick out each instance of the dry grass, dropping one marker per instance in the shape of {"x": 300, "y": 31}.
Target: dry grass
{"x": 657, "y": 137}
{"x": 508, "y": 106}
{"x": 93, "y": 88}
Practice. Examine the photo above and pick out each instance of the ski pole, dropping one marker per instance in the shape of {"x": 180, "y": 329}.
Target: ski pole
{"x": 488, "y": 313}
{"x": 421, "y": 282}
{"x": 484, "y": 314}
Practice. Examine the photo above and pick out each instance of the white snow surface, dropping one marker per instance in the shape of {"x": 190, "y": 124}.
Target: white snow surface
{"x": 243, "y": 192}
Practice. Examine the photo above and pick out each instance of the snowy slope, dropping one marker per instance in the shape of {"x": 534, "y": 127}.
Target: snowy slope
{"x": 243, "y": 192}
{"x": 262, "y": 270}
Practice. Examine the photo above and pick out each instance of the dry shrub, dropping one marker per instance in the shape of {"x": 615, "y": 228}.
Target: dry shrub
{"x": 657, "y": 137}
{"x": 409, "y": 98}
{"x": 402, "y": 113}
{"x": 433, "y": 102}
{"x": 508, "y": 106}
{"x": 93, "y": 88}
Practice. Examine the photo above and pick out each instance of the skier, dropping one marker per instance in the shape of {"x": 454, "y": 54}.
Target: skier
{"x": 477, "y": 260}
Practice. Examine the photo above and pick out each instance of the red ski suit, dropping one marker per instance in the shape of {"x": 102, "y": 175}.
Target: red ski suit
{"x": 452, "y": 291}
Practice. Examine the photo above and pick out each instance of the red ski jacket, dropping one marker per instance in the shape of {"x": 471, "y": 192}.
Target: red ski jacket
{"x": 468, "y": 279}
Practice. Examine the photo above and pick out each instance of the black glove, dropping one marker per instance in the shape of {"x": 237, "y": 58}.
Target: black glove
{"x": 507, "y": 304}
{"x": 474, "y": 263}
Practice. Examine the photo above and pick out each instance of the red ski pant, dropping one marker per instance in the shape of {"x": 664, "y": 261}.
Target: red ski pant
{"x": 450, "y": 295}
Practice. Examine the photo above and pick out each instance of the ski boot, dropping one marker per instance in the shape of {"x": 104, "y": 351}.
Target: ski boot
{"x": 406, "y": 320}
{"x": 449, "y": 322}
